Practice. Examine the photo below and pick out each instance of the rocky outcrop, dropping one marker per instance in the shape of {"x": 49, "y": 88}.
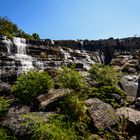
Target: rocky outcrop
{"x": 133, "y": 117}
{"x": 50, "y": 101}
{"x": 22, "y": 124}
{"x": 130, "y": 85}
{"x": 102, "y": 114}
{"x": 19, "y": 55}
{"x": 5, "y": 89}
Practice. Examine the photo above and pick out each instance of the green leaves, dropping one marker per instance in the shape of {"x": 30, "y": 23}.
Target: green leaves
{"x": 31, "y": 84}
{"x": 4, "y": 105}
{"x": 104, "y": 74}
{"x": 70, "y": 78}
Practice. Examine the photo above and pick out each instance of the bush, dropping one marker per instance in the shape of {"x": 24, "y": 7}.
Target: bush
{"x": 73, "y": 107}
{"x": 5, "y": 135}
{"x": 107, "y": 94}
{"x": 75, "y": 112}
{"x": 4, "y": 105}
{"x": 104, "y": 74}
{"x": 56, "y": 129}
{"x": 70, "y": 78}
{"x": 30, "y": 85}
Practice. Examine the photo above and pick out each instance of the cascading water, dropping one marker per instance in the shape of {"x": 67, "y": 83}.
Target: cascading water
{"x": 66, "y": 54}
{"x": 16, "y": 60}
{"x": 7, "y": 43}
{"x": 21, "y": 55}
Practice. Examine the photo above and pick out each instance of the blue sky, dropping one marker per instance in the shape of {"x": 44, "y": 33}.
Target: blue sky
{"x": 75, "y": 19}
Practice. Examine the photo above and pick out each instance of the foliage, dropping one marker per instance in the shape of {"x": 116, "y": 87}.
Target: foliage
{"x": 10, "y": 29}
{"x": 35, "y": 36}
{"x": 109, "y": 134}
{"x": 104, "y": 74}
{"x": 70, "y": 78}
{"x": 31, "y": 84}
{"x": 4, "y": 105}
{"x": 5, "y": 135}
{"x": 73, "y": 107}
{"x": 56, "y": 129}
{"x": 75, "y": 111}
{"x": 104, "y": 93}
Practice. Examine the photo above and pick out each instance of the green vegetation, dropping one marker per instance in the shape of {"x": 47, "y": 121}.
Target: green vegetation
{"x": 56, "y": 129}
{"x": 70, "y": 78}
{"x": 31, "y": 84}
{"x": 6, "y": 135}
{"x": 9, "y": 29}
{"x": 35, "y": 36}
{"x": 104, "y": 74}
{"x": 75, "y": 112}
{"x": 73, "y": 107}
{"x": 4, "y": 106}
{"x": 72, "y": 121}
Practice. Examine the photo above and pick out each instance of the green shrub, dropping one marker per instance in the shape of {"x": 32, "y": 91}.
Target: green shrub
{"x": 73, "y": 107}
{"x": 104, "y": 74}
{"x": 70, "y": 78}
{"x": 5, "y": 135}
{"x": 76, "y": 114}
{"x": 30, "y": 85}
{"x": 104, "y": 93}
{"x": 4, "y": 105}
{"x": 56, "y": 129}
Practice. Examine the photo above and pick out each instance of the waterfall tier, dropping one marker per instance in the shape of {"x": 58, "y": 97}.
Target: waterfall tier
{"x": 18, "y": 54}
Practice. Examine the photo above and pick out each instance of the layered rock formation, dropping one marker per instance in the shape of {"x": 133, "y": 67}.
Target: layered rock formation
{"x": 19, "y": 55}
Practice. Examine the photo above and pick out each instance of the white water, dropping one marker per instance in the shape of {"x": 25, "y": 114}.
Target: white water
{"x": 21, "y": 55}
{"x": 88, "y": 57}
{"x": 52, "y": 42}
{"x": 7, "y": 43}
{"x": 66, "y": 54}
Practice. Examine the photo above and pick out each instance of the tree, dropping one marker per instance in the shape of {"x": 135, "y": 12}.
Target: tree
{"x": 8, "y": 28}
{"x": 35, "y": 36}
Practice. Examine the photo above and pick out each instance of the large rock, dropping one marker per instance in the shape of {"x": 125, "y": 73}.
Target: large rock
{"x": 5, "y": 88}
{"x": 49, "y": 101}
{"x": 102, "y": 114}
{"x": 130, "y": 85}
{"x": 22, "y": 124}
{"x": 133, "y": 117}
{"x": 131, "y": 114}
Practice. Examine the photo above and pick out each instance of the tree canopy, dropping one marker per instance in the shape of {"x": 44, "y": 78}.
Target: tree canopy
{"x": 10, "y": 29}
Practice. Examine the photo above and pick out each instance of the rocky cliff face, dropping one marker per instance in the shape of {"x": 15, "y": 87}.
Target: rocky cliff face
{"x": 18, "y": 54}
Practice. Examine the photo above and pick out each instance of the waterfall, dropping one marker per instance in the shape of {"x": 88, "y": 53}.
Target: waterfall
{"x": 52, "y": 42}
{"x": 21, "y": 55}
{"x": 20, "y": 43}
{"x": 66, "y": 54}
{"x": 7, "y": 43}
{"x": 88, "y": 57}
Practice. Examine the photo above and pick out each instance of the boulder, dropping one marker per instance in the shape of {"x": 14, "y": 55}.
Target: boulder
{"x": 130, "y": 85}
{"x": 103, "y": 115}
{"x": 5, "y": 88}
{"x": 133, "y": 116}
{"x": 22, "y": 124}
{"x": 49, "y": 101}
{"x": 137, "y": 103}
